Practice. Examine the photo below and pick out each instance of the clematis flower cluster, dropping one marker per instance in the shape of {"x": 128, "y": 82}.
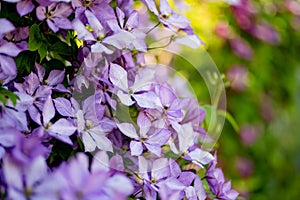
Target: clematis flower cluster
{"x": 85, "y": 116}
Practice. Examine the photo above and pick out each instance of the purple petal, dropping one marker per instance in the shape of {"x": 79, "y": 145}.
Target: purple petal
{"x": 94, "y": 23}
{"x": 186, "y": 178}
{"x": 125, "y": 98}
{"x": 192, "y": 41}
{"x": 6, "y": 26}
{"x": 128, "y": 130}
{"x": 35, "y": 171}
{"x": 164, "y": 7}
{"x": 35, "y": 114}
{"x": 8, "y": 69}
{"x": 41, "y": 13}
{"x": 152, "y": 7}
{"x": 24, "y": 7}
{"x": 40, "y": 70}
{"x": 100, "y": 162}
{"x": 132, "y": 21}
{"x": 8, "y": 137}
{"x": 154, "y": 148}
{"x": 12, "y": 173}
{"x": 121, "y": 184}
{"x": 201, "y": 156}
{"x": 102, "y": 142}
{"x": 120, "y": 40}
{"x": 100, "y": 48}
{"x": 160, "y": 138}
{"x": 63, "y": 106}
{"x": 32, "y": 83}
{"x": 55, "y": 77}
{"x": 10, "y": 49}
{"x": 147, "y": 100}
{"x": 118, "y": 76}
{"x": 121, "y": 16}
{"x": 63, "y": 127}
{"x": 136, "y": 148}
{"x": 160, "y": 168}
{"x": 82, "y": 32}
{"x": 144, "y": 123}
{"x": 88, "y": 141}
{"x": 186, "y": 137}
{"x": 48, "y": 111}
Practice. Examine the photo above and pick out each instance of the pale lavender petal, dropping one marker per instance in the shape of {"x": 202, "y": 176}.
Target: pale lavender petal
{"x": 100, "y": 48}
{"x": 164, "y": 7}
{"x": 8, "y": 137}
{"x": 136, "y": 148}
{"x": 82, "y": 32}
{"x": 10, "y": 49}
{"x": 152, "y": 7}
{"x": 143, "y": 80}
{"x": 62, "y": 23}
{"x": 125, "y": 98}
{"x": 8, "y": 69}
{"x": 102, "y": 142}
{"x": 52, "y": 25}
{"x": 63, "y": 106}
{"x": 160, "y": 138}
{"x": 118, "y": 76}
{"x": 35, "y": 171}
{"x": 100, "y": 162}
{"x": 147, "y": 100}
{"x": 186, "y": 137}
{"x": 121, "y": 184}
{"x": 32, "y": 83}
{"x": 186, "y": 178}
{"x": 200, "y": 191}
{"x": 160, "y": 168}
{"x": 24, "y": 7}
{"x": 41, "y": 12}
{"x": 88, "y": 141}
{"x": 128, "y": 130}
{"x": 55, "y": 77}
{"x": 48, "y": 111}
{"x": 40, "y": 70}
{"x": 120, "y": 40}
{"x": 200, "y": 156}
{"x": 192, "y": 41}
{"x": 132, "y": 20}
{"x": 144, "y": 123}
{"x": 154, "y": 148}
{"x": 63, "y": 127}
{"x": 121, "y": 16}
{"x": 6, "y": 26}
{"x": 94, "y": 23}
{"x": 12, "y": 173}
{"x": 35, "y": 114}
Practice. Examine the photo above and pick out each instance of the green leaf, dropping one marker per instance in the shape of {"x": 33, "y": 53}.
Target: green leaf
{"x": 43, "y": 51}
{"x": 36, "y": 39}
{"x": 61, "y": 48}
{"x": 26, "y": 60}
{"x": 6, "y": 94}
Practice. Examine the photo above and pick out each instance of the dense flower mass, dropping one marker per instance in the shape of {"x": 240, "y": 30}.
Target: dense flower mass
{"x": 84, "y": 117}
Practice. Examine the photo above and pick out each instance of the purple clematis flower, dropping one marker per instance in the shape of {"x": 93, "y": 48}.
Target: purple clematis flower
{"x": 139, "y": 90}
{"x": 7, "y": 139}
{"x": 8, "y": 68}
{"x": 156, "y": 177}
{"x": 60, "y": 130}
{"x": 7, "y": 26}
{"x": 217, "y": 184}
{"x": 56, "y": 15}
{"x": 168, "y": 17}
{"x": 29, "y": 181}
{"x": 23, "y": 6}
{"x": 151, "y": 139}
{"x": 92, "y": 125}
{"x": 77, "y": 182}
{"x": 194, "y": 188}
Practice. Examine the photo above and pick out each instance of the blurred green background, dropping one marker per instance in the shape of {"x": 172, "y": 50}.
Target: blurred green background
{"x": 257, "y": 47}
